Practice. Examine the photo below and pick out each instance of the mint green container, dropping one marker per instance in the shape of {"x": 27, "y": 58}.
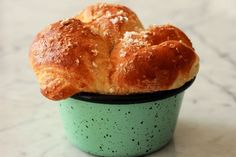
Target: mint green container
{"x": 121, "y": 126}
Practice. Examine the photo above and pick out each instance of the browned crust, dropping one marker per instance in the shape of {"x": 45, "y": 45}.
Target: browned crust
{"x": 159, "y": 34}
{"x": 110, "y": 21}
{"x": 65, "y": 57}
{"x": 154, "y": 68}
{"x": 100, "y": 51}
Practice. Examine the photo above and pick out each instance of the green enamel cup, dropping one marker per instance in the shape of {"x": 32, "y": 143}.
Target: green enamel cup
{"x": 122, "y": 126}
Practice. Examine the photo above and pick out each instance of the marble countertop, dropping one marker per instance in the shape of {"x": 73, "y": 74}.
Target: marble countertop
{"x": 30, "y": 125}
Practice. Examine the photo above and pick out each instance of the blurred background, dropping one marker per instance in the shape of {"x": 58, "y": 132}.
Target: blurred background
{"x": 30, "y": 124}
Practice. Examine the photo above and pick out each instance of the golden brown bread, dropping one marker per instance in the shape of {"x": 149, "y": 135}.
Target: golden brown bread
{"x": 110, "y": 21}
{"x": 65, "y": 57}
{"x": 106, "y": 50}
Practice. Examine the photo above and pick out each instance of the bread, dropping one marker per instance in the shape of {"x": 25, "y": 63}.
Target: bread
{"x": 106, "y": 50}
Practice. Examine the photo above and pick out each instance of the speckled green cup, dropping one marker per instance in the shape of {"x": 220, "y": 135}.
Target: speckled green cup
{"x": 121, "y": 126}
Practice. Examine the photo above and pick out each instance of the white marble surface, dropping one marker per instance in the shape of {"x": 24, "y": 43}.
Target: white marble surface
{"x": 30, "y": 125}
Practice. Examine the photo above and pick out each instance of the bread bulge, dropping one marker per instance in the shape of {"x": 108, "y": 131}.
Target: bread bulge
{"x": 106, "y": 50}
{"x": 159, "y": 58}
{"x": 67, "y": 58}
{"x": 110, "y": 21}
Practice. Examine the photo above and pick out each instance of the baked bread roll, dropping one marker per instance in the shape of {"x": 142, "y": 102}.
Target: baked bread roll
{"x": 106, "y": 50}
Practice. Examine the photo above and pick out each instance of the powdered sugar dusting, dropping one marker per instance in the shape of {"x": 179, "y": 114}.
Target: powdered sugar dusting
{"x": 66, "y": 21}
{"x": 108, "y": 14}
{"x": 122, "y": 53}
{"x": 119, "y": 19}
{"x": 145, "y": 35}
{"x": 128, "y": 36}
{"x": 129, "y": 39}
{"x": 120, "y": 12}
{"x": 125, "y": 18}
{"x": 114, "y": 20}
{"x": 134, "y": 39}
{"x": 69, "y": 44}
{"x": 77, "y": 61}
{"x": 94, "y": 64}
{"x": 95, "y": 52}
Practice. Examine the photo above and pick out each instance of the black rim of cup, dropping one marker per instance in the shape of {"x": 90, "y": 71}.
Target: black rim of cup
{"x": 132, "y": 98}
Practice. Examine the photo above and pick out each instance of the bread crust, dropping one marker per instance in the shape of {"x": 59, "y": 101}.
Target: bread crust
{"x": 106, "y": 50}
{"x": 110, "y": 21}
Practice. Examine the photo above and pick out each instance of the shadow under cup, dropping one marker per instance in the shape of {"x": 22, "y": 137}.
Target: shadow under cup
{"x": 128, "y": 125}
